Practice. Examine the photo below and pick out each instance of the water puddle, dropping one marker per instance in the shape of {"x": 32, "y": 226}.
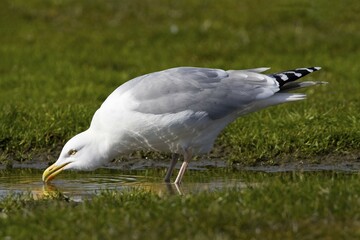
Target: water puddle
{"x": 80, "y": 186}
{"x": 204, "y": 176}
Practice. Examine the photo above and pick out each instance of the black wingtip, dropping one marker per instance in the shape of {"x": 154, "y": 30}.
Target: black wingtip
{"x": 292, "y": 75}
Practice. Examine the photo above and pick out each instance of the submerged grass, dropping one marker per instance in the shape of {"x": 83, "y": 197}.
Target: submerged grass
{"x": 297, "y": 205}
{"x": 60, "y": 59}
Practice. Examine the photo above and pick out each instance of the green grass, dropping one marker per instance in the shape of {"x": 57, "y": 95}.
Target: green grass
{"x": 321, "y": 205}
{"x": 60, "y": 59}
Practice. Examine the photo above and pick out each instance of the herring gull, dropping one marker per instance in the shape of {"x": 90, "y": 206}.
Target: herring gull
{"x": 179, "y": 110}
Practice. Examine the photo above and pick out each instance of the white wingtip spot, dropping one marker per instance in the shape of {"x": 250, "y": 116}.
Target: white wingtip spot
{"x": 296, "y": 97}
{"x": 305, "y": 69}
{"x": 283, "y": 77}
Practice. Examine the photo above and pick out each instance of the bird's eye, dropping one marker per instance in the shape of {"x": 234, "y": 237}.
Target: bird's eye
{"x": 72, "y": 152}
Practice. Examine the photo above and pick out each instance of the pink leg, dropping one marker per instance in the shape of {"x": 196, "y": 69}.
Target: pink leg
{"x": 187, "y": 158}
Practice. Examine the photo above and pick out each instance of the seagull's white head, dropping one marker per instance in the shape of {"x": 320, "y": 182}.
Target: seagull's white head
{"x": 84, "y": 151}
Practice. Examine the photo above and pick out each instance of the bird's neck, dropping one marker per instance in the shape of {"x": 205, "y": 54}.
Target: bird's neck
{"x": 103, "y": 144}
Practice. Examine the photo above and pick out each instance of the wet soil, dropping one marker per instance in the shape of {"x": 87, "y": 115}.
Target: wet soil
{"x": 344, "y": 162}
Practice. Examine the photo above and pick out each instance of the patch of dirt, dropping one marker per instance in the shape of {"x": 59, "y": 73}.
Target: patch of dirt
{"x": 345, "y": 162}
{"x": 331, "y": 162}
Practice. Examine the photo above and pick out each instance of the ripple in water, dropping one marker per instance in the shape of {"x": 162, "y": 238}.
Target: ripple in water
{"x": 77, "y": 187}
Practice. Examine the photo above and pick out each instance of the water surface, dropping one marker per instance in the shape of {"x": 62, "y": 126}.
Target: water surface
{"x": 147, "y": 175}
{"x": 78, "y": 186}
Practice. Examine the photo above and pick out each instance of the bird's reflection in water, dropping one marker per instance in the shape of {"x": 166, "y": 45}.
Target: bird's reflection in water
{"x": 79, "y": 192}
{"x": 51, "y": 191}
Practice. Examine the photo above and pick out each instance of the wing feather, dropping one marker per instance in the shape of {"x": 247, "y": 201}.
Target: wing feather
{"x": 213, "y": 91}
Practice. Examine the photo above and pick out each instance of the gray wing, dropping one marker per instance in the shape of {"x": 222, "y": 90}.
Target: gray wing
{"x": 214, "y": 91}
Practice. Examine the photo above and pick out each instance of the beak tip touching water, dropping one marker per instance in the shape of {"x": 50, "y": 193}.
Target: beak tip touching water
{"x": 52, "y": 171}
{"x": 47, "y": 174}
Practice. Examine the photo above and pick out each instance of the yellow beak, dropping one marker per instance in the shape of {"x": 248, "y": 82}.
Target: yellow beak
{"x": 52, "y": 171}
